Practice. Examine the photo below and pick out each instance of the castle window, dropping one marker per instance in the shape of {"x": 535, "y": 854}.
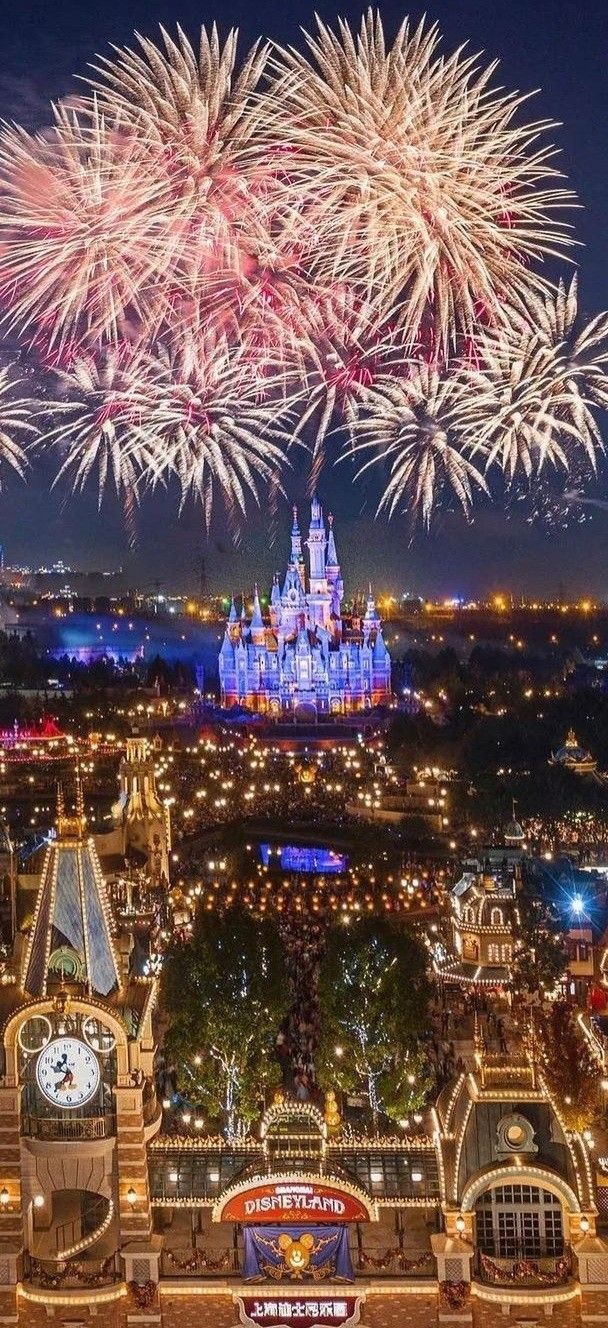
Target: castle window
{"x": 494, "y": 954}
{"x": 468, "y": 914}
{"x": 496, "y": 918}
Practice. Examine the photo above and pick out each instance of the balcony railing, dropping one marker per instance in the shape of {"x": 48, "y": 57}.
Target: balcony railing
{"x": 68, "y": 1128}
{"x": 70, "y": 1273}
{"x": 542, "y": 1271}
{"x": 198, "y": 1263}
{"x": 395, "y": 1262}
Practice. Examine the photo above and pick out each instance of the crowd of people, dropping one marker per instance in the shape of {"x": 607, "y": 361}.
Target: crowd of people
{"x": 461, "y": 1020}
{"x": 303, "y": 937}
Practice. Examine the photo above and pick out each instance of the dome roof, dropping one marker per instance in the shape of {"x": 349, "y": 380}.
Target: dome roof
{"x": 513, "y": 831}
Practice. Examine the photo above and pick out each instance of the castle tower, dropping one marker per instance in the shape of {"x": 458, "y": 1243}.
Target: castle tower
{"x": 297, "y": 557}
{"x": 72, "y": 926}
{"x": 293, "y": 602}
{"x": 232, "y": 622}
{"x": 319, "y": 595}
{"x": 371, "y": 621}
{"x": 144, "y": 819}
{"x": 77, "y": 1097}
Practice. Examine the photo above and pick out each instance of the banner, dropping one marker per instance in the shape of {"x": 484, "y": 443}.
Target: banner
{"x": 293, "y": 1254}
{"x": 291, "y": 1201}
{"x": 279, "y": 1312}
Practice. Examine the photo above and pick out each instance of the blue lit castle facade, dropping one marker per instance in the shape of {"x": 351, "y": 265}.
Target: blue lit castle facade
{"x": 306, "y": 660}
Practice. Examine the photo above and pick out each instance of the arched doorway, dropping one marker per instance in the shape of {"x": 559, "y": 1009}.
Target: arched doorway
{"x": 519, "y": 1221}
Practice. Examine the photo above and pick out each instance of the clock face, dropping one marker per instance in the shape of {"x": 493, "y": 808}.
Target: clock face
{"x": 67, "y": 1072}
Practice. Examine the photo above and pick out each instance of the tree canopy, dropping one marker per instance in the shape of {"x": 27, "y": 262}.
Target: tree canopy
{"x": 225, "y": 993}
{"x": 374, "y": 995}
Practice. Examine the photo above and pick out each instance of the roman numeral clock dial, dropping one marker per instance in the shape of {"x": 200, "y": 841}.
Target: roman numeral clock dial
{"x": 67, "y": 1072}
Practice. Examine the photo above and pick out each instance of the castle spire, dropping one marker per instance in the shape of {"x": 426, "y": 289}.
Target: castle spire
{"x": 332, "y": 556}
{"x": 258, "y": 631}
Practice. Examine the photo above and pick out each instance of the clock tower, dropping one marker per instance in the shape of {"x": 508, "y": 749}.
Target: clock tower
{"x": 77, "y": 1100}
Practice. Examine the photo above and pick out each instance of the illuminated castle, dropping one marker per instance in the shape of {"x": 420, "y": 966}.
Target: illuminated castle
{"x": 306, "y": 660}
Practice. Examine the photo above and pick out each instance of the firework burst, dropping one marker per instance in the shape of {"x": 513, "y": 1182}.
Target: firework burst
{"x": 542, "y": 381}
{"x": 201, "y": 116}
{"x": 421, "y": 428}
{"x": 422, "y": 182}
{"x": 85, "y": 228}
{"x": 214, "y": 422}
{"x": 102, "y": 428}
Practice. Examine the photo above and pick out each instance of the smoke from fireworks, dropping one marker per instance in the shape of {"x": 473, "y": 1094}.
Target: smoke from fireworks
{"x": 214, "y": 257}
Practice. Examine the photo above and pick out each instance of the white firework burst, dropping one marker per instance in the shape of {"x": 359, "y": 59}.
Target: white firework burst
{"x": 421, "y": 428}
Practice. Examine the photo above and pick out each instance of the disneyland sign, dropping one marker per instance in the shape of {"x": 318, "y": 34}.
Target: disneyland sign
{"x": 293, "y": 1201}
{"x": 281, "y": 1312}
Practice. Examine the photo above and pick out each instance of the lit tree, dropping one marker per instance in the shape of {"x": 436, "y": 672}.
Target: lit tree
{"x": 569, "y": 1066}
{"x": 374, "y": 996}
{"x": 225, "y": 995}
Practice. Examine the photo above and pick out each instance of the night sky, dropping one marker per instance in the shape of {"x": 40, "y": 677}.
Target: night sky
{"x": 557, "y": 45}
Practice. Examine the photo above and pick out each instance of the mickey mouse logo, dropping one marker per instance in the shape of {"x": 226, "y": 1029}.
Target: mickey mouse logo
{"x": 296, "y": 1253}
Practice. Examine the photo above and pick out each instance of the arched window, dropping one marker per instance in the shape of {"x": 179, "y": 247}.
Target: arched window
{"x": 468, "y": 915}
{"x": 519, "y": 1222}
{"x": 496, "y": 918}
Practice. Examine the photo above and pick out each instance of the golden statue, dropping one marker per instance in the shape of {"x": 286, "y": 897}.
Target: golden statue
{"x": 332, "y": 1112}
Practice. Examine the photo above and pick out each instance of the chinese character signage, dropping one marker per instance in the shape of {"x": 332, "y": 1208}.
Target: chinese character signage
{"x": 300, "y": 1312}
{"x": 294, "y": 1201}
